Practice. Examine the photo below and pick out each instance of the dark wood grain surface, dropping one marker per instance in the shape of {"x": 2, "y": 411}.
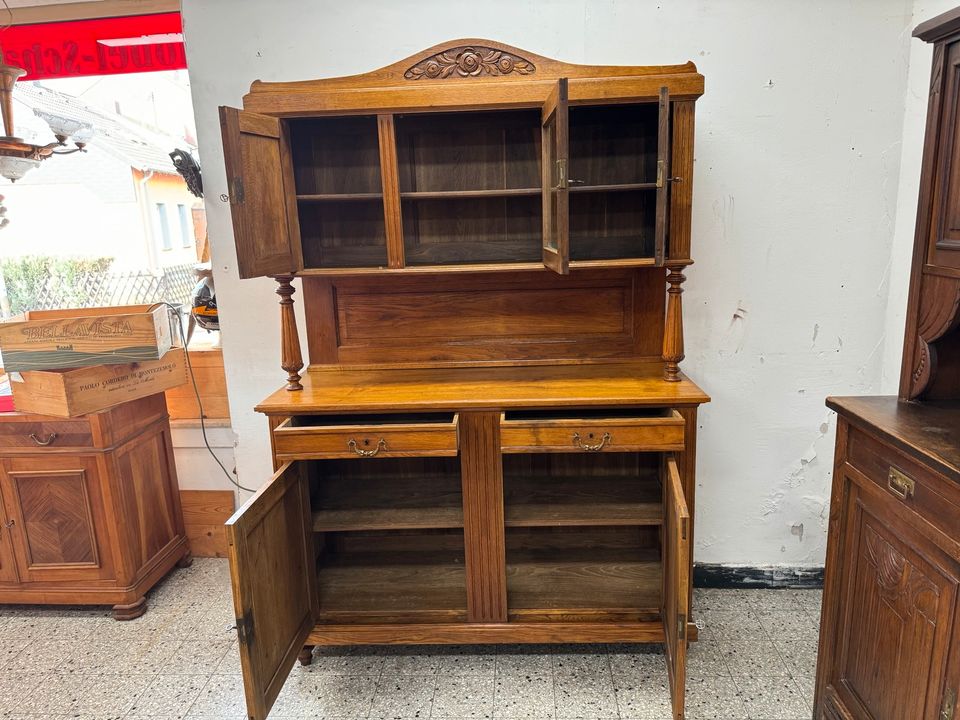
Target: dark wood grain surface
{"x": 928, "y": 431}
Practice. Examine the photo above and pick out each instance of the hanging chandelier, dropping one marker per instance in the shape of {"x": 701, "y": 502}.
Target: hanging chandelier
{"x": 18, "y": 157}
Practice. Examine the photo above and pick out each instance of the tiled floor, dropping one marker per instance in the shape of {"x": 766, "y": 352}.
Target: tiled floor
{"x": 755, "y": 660}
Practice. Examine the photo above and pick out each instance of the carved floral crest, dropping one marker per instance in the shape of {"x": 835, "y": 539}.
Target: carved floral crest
{"x": 469, "y": 61}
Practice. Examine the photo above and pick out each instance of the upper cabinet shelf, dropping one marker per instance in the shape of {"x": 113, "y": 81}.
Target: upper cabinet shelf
{"x": 575, "y": 170}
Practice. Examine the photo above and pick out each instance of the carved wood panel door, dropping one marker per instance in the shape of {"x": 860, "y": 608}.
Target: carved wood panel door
{"x": 944, "y": 243}
{"x": 56, "y": 511}
{"x": 896, "y": 601}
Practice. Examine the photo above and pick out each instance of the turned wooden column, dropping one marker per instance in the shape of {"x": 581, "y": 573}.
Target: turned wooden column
{"x": 673, "y": 326}
{"x": 290, "y": 358}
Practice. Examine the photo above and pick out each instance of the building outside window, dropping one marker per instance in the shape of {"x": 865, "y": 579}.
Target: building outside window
{"x": 186, "y": 231}
{"x": 163, "y": 227}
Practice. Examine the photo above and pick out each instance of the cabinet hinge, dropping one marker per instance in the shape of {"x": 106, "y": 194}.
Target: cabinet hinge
{"x": 682, "y": 626}
{"x": 562, "y": 181}
{"x": 949, "y": 705}
{"x": 245, "y": 629}
{"x": 236, "y": 192}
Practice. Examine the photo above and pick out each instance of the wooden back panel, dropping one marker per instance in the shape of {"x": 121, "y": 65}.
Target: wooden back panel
{"x": 485, "y": 318}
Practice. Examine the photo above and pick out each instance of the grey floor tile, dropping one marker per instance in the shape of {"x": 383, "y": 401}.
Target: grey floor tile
{"x": 731, "y": 625}
{"x": 411, "y": 662}
{"x": 524, "y": 696}
{"x": 167, "y": 696}
{"x": 705, "y": 659}
{"x": 343, "y": 661}
{"x": 196, "y": 657}
{"x": 647, "y": 660}
{"x": 523, "y": 664}
{"x": 222, "y": 698}
{"x": 773, "y": 699}
{"x": 753, "y": 659}
{"x": 785, "y": 600}
{"x": 788, "y": 625}
{"x": 724, "y": 600}
{"x": 404, "y": 696}
{"x": 230, "y": 663}
{"x": 644, "y": 697}
{"x": 714, "y": 699}
{"x": 464, "y": 696}
{"x": 581, "y": 663}
{"x": 326, "y": 696}
{"x": 585, "y": 695}
{"x": 16, "y": 688}
{"x": 471, "y": 660}
{"x": 799, "y": 657}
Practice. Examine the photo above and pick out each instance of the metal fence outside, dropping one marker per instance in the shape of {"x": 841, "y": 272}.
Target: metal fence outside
{"x": 174, "y": 285}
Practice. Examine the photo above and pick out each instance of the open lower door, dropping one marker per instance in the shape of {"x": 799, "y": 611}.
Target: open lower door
{"x": 555, "y": 183}
{"x": 260, "y": 177}
{"x": 274, "y": 583}
{"x": 663, "y": 178}
{"x": 676, "y": 581}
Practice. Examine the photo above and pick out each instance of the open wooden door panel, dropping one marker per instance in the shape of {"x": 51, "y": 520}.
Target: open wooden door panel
{"x": 555, "y": 123}
{"x": 274, "y": 583}
{"x": 663, "y": 177}
{"x": 676, "y": 581}
{"x": 259, "y": 173}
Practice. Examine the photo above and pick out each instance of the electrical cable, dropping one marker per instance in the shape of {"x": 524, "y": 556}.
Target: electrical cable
{"x": 175, "y": 313}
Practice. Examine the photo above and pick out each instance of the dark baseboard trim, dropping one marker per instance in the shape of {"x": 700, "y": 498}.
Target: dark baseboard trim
{"x": 745, "y": 577}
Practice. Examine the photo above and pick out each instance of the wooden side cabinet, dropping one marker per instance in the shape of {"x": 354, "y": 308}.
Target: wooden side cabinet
{"x": 890, "y": 633}
{"x": 89, "y": 507}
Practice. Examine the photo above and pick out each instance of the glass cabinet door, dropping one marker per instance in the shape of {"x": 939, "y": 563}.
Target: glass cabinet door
{"x": 555, "y": 180}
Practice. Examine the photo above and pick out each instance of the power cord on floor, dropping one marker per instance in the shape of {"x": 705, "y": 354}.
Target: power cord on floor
{"x": 175, "y": 318}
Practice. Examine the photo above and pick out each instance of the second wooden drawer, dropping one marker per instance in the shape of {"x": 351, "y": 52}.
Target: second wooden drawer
{"x": 594, "y": 431}
{"x": 366, "y": 436}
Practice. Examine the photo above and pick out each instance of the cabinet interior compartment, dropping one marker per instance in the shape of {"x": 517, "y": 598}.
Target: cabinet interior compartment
{"x": 388, "y": 535}
{"x": 343, "y": 233}
{"x": 583, "y": 573}
{"x": 372, "y": 419}
{"x": 581, "y": 489}
{"x": 469, "y": 152}
{"x": 335, "y": 156}
{"x": 460, "y": 230}
{"x": 386, "y": 494}
{"x": 391, "y": 576}
{"x": 583, "y": 535}
{"x": 614, "y": 224}
{"x": 613, "y": 145}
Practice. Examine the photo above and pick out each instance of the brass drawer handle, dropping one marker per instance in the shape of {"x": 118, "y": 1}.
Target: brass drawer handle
{"x": 900, "y": 484}
{"x": 352, "y": 444}
{"x": 43, "y": 443}
{"x": 588, "y": 447}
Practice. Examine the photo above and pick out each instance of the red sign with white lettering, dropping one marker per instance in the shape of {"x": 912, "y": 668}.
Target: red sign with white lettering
{"x": 107, "y": 46}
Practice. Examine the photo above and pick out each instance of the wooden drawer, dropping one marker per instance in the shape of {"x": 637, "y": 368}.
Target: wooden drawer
{"x": 906, "y": 481}
{"x": 45, "y": 434}
{"x": 592, "y": 431}
{"x": 365, "y": 436}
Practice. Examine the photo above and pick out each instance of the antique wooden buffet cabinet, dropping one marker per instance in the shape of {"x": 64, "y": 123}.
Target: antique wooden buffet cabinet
{"x": 493, "y": 442}
{"x": 890, "y": 630}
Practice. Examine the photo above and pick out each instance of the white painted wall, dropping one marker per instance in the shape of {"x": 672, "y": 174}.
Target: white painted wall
{"x": 796, "y": 182}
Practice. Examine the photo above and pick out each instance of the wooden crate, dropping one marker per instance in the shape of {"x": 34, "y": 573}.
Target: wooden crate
{"x": 78, "y": 391}
{"x": 82, "y": 337}
{"x": 208, "y": 370}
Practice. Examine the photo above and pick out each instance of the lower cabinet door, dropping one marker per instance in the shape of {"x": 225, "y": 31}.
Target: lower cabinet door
{"x": 8, "y": 568}
{"x": 888, "y": 655}
{"x": 55, "y": 518}
{"x": 274, "y": 582}
{"x": 676, "y": 581}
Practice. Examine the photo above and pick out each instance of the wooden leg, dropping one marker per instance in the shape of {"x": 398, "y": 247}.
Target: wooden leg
{"x": 131, "y": 611}
{"x": 186, "y": 561}
{"x": 306, "y": 655}
{"x": 290, "y": 358}
{"x": 673, "y": 326}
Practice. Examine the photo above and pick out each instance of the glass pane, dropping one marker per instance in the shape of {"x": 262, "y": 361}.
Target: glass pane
{"x": 550, "y": 138}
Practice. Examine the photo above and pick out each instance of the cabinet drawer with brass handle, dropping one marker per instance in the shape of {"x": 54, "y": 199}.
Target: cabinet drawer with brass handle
{"x": 904, "y": 481}
{"x": 366, "y": 436}
{"x": 654, "y": 430}
{"x": 54, "y": 434}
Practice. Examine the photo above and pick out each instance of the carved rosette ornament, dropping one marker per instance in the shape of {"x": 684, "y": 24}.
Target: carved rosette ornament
{"x": 469, "y": 61}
